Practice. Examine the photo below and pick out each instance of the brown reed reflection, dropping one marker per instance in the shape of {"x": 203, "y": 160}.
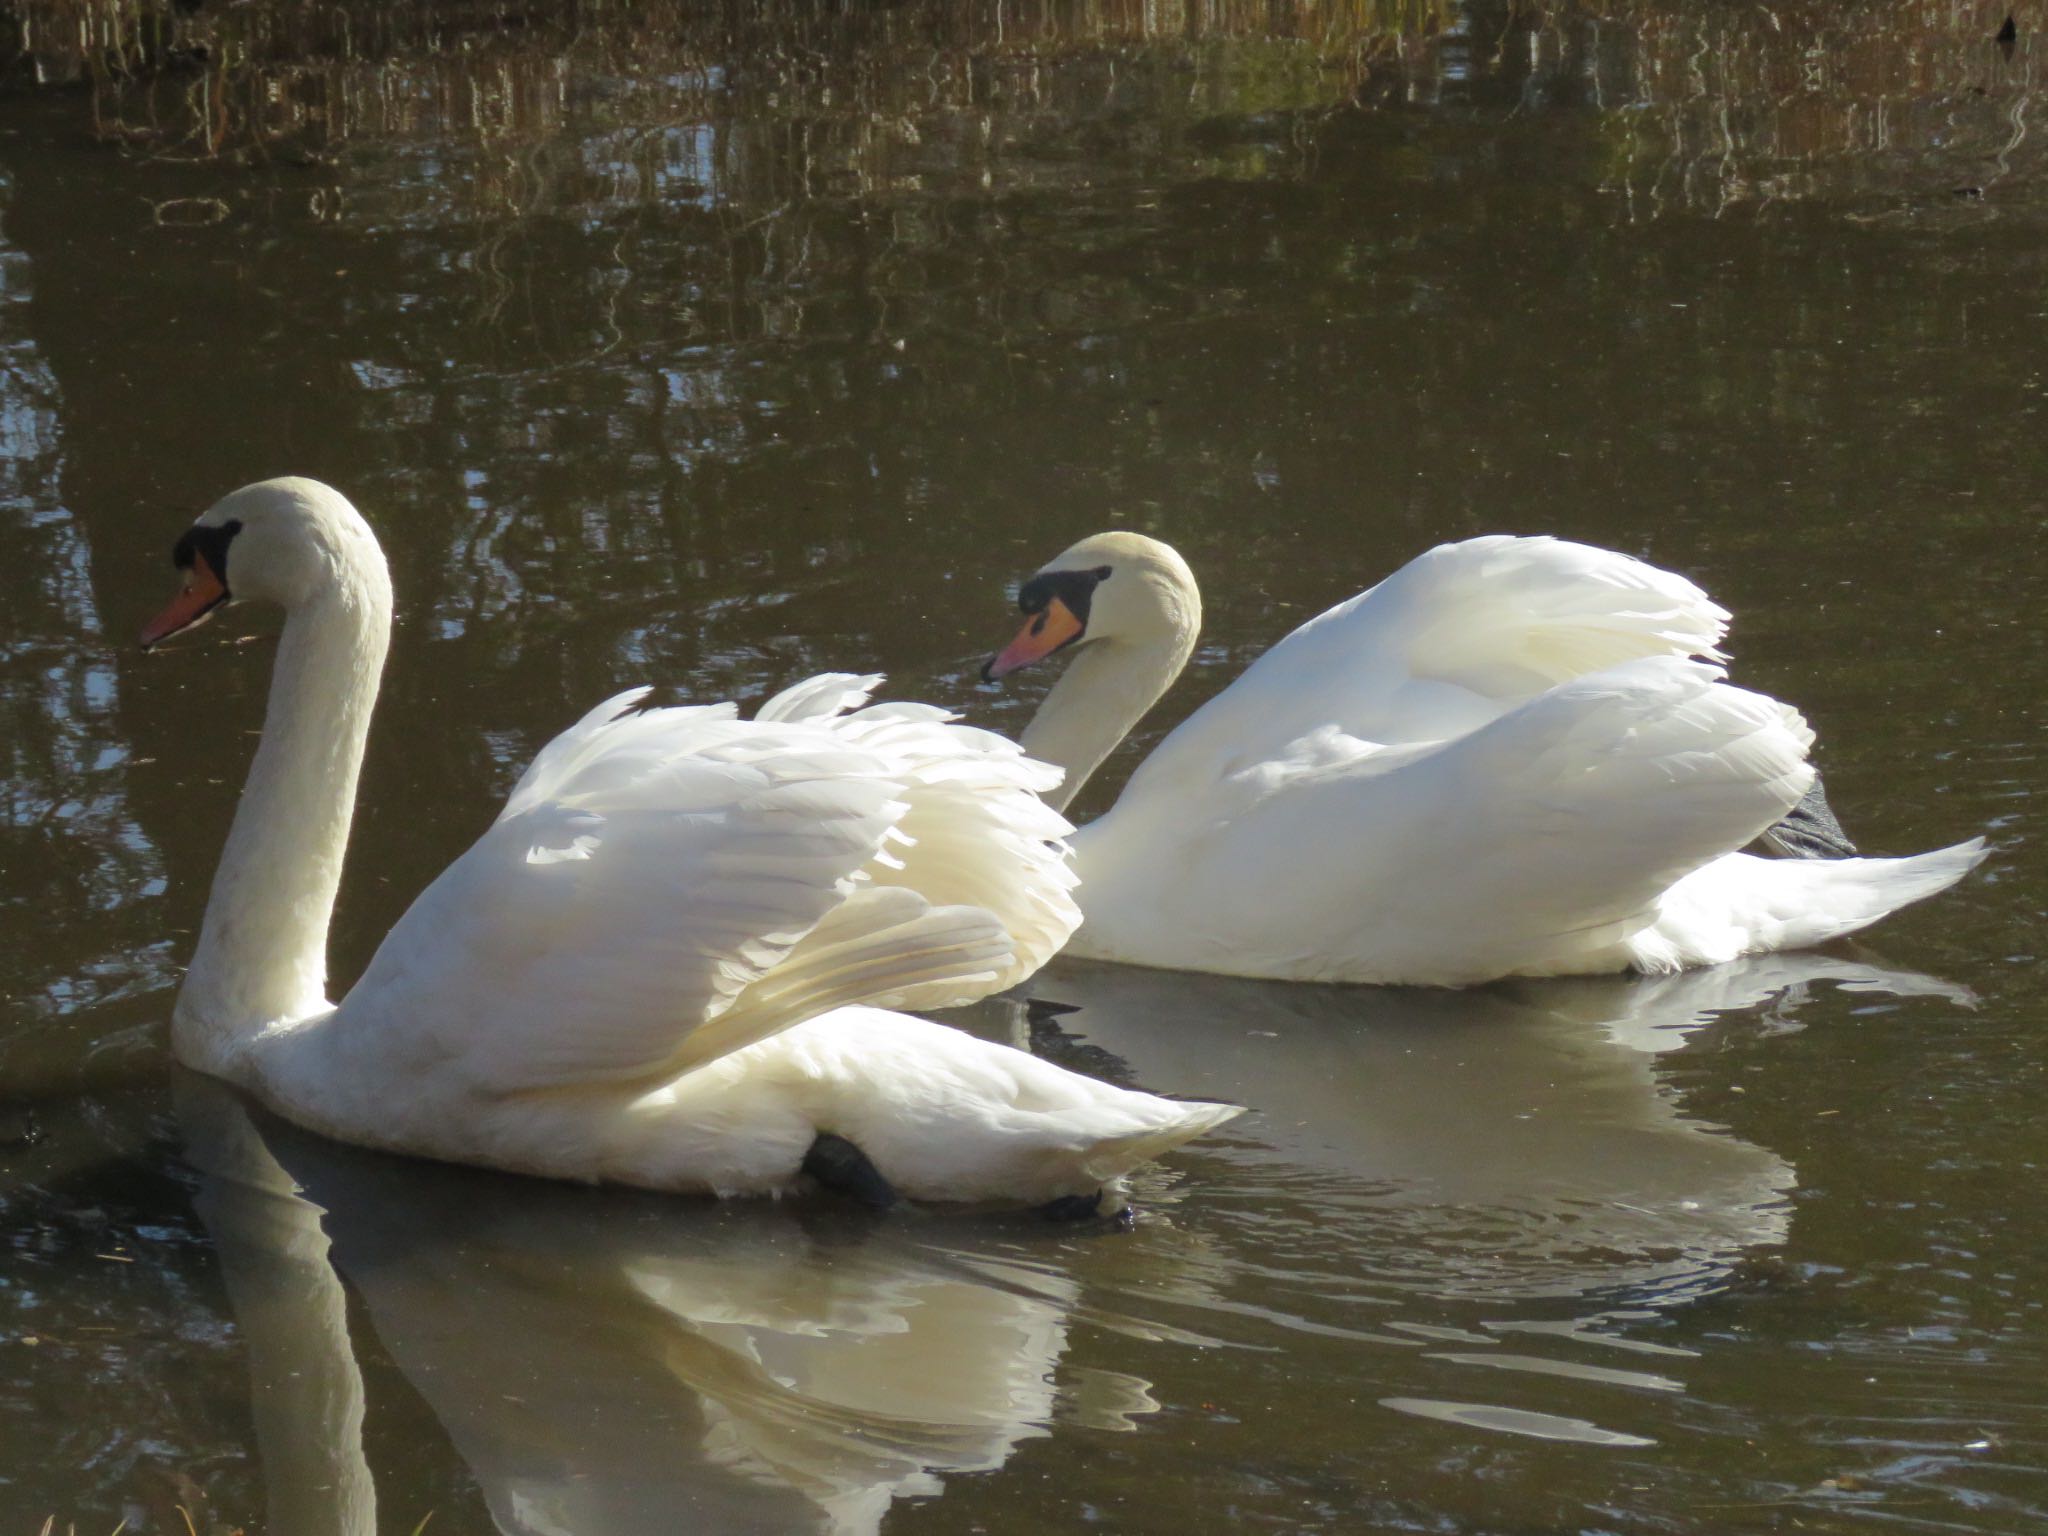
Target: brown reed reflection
{"x": 1698, "y": 106}
{"x": 1712, "y": 107}
{"x": 300, "y": 79}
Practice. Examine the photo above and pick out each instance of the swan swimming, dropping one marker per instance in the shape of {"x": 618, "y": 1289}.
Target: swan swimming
{"x": 1513, "y": 757}
{"x": 670, "y": 960}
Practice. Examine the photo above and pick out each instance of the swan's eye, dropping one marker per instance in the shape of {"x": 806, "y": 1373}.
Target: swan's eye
{"x": 206, "y": 544}
{"x": 1076, "y": 589}
{"x": 1056, "y": 604}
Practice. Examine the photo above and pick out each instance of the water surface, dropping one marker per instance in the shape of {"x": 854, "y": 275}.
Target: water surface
{"x": 712, "y": 348}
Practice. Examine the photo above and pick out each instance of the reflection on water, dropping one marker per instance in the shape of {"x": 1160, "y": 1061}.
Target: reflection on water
{"x": 714, "y": 345}
{"x": 890, "y": 94}
{"x": 606, "y": 1363}
{"x": 1510, "y": 1141}
{"x": 602, "y": 1361}
{"x": 1901, "y": 111}
{"x": 71, "y": 846}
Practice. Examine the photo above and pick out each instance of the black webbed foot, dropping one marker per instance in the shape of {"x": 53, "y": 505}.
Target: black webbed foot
{"x": 1087, "y": 1208}
{"x": 837, "y": 1164}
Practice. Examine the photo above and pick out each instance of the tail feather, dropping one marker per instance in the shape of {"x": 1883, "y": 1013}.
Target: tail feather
{"x": 1114, "y": 1156}
{"x": 1746, "y": 905}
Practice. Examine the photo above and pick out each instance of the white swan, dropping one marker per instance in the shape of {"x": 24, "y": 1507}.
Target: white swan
{"x": 1504, "y": 760}
{"x": 628, "y": 977}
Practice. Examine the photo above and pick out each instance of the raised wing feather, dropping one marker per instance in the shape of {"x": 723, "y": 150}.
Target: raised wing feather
{"x": 673, "y": 884}
{"x": 1447, "y": 643}
{"x": 976, "y": 832}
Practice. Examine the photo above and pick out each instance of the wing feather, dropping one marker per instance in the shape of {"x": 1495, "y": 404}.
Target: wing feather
{"x": 1449, "y": 642}
{"x": 1537, "y": 843}
{"x": 976, "y": 832}
{"x": 667, "y": 885}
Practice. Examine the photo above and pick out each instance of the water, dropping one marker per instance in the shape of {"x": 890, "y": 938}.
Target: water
{"x": 713, "y": 348}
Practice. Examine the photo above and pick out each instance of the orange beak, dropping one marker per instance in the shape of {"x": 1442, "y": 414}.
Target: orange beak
{"x": 1046, "y": 632}
{"x": 202, "y": 593}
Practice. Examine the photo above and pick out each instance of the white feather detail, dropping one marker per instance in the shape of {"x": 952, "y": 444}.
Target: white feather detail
{"x": 659, "y": 871}
{"x": 1514, "y": 756}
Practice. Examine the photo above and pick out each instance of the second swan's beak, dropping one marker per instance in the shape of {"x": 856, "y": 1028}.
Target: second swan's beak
{"x": 1046, "y": 631}
{"x": 202, "y": 593}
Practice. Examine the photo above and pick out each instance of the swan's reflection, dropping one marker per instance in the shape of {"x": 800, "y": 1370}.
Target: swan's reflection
{"x": 1510, "y": 1140}
{"x": 607, "y": 1362}
{"x": 303, "y": 1380}
{"x": 618, "y": 1363}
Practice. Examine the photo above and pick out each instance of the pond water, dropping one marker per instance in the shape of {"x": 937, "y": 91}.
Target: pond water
{"x": 713, "y": 346}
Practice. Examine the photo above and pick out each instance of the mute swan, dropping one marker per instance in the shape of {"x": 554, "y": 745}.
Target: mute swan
{"x": 1507, "y": 759}
{"x": 651, "y": 969}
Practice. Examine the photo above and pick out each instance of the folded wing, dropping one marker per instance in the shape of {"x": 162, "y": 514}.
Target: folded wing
{"x": 1538, "y": 843}
{"x": 1450, "y": 641}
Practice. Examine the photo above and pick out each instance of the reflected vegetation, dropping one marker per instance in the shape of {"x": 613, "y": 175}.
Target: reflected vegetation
{"x": 68, "y": 839}
{"x": 1894, "y": 111}
{"x": 833, "y": 100}
{"x": 1891, "y": 108}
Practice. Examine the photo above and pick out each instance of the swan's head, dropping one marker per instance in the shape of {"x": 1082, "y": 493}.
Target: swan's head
{"x": 1109, "y": 589}
{"x": 280, "y": 541}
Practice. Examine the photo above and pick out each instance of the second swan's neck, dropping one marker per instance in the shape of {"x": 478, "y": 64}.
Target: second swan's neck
{"x": 1105, "y": 691}
{"x": 262, "y": 955}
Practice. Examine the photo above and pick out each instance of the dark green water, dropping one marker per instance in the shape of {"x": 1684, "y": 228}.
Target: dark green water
{"x": 719, "y": 348}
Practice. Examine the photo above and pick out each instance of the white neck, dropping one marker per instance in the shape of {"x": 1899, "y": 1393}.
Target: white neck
{"x": 1105, "y": 691}
{"x": 262, "y": 956}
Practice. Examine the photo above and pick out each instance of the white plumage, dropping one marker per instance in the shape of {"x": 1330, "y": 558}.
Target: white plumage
{"x": 1515, "y": 756}
{"x": 667, "y": 962}
{"x": 682, "y": 883}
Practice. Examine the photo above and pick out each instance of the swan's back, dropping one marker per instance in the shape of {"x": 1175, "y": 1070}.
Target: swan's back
{"x": 1445, "y": 644}
{"x": 1537, "y": 844}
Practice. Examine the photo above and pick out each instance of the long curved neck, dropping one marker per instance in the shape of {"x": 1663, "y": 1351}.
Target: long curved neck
{"x": 262, "y": 955}
{"x": 1104, "y": 692}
